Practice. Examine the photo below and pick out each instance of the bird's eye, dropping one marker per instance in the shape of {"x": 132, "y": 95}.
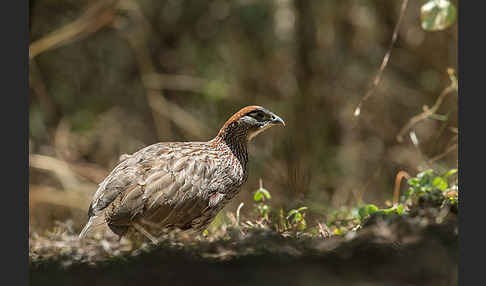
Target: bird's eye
{"x": 259, "y": 115}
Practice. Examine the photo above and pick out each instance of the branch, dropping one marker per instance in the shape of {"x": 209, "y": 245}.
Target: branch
{"x": 94, "y": 18}
{"x": 426, "y": 114}
{"x": 377, "y": 79}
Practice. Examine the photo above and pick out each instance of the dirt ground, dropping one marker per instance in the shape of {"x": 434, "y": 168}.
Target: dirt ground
{"x": 416, "y": 249}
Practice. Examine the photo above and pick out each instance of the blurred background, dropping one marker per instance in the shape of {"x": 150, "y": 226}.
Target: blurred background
{"x": 110, "y": 77}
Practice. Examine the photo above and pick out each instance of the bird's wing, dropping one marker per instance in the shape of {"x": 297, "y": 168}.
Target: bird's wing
{"x": 165, "y": 181}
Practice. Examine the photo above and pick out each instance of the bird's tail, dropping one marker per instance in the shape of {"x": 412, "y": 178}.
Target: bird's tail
{"x": 94, "y": 221}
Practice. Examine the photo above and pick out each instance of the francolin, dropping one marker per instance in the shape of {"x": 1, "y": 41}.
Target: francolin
{"x": 178, "y": 184}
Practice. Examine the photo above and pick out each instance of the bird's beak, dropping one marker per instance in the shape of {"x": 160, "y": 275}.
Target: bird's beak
{"x": 274, "y": 120}
{"x": 277, "y": 120}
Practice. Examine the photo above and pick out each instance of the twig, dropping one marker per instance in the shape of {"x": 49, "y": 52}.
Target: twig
{"x": 94, "y": 18}
{"x": 377, "y": 79}
{"x": 324, "y": 230}
{"x": 427, "y": 112}
{"x": 237, "y": 223}
{"x": 398, "y": 179}
{"x": 416, "y": 144}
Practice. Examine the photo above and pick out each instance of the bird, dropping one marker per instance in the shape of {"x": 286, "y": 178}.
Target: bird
{"x": 178, "y": 185}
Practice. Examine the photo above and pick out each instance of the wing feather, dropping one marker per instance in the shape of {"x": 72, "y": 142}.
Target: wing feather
{"x": 157, "y": 183}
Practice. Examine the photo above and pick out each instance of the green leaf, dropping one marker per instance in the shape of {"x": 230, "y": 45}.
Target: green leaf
{"x": 302, "y": 224}
{"x": 372, "y": 208}
{"x": 400, "y": 209}
{"x": 291, "y": 212}
{"x": 297, "y": 217}
{"x": 258, "y": 196}
{"x": 440, "y": 183}
{"x": 410, "y": 192}
{"x": 437, "y": 15}
{"x": 265, "y": 193}
{"x": 261, "y": 194}
{"x": 413, "y": 182}
{"x": 424, "y": 177}
{"x": 425, "y": 173}
{"x": 366, "y": 210}
{"x": 450, "y": 173}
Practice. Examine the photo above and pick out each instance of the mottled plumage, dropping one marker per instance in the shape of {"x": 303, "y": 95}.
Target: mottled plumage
{"x": 178, "y": 184}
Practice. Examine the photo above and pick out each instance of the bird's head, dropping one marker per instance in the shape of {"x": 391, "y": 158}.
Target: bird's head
{"x": 249, "y": 122}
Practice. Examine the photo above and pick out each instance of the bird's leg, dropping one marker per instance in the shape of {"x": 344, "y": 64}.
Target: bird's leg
{"x": 142, "y": 230}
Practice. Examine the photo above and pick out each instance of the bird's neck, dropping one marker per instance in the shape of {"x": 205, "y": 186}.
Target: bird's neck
{"x": 237, "y": 143}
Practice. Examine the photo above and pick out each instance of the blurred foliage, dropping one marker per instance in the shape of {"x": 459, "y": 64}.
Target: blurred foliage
{"x": 428, "y": 191}
{"x": 128, "y": 74}
{"x": 429, "y": 186}
{"x": 294, "y": 220}
{"x": 437, "y": 15}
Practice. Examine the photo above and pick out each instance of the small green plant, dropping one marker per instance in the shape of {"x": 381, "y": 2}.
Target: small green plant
{"x": 428, "y": 185}
{"x": 260, "y": 196}
{"x": 296, "y": 218}
{"x": 451, "y": 196}
{"x": 341, "y": 220}
{"x": 366, "y": 210}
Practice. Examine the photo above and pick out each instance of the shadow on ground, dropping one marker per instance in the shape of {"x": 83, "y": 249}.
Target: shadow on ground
{"x": 400, "y": 250}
